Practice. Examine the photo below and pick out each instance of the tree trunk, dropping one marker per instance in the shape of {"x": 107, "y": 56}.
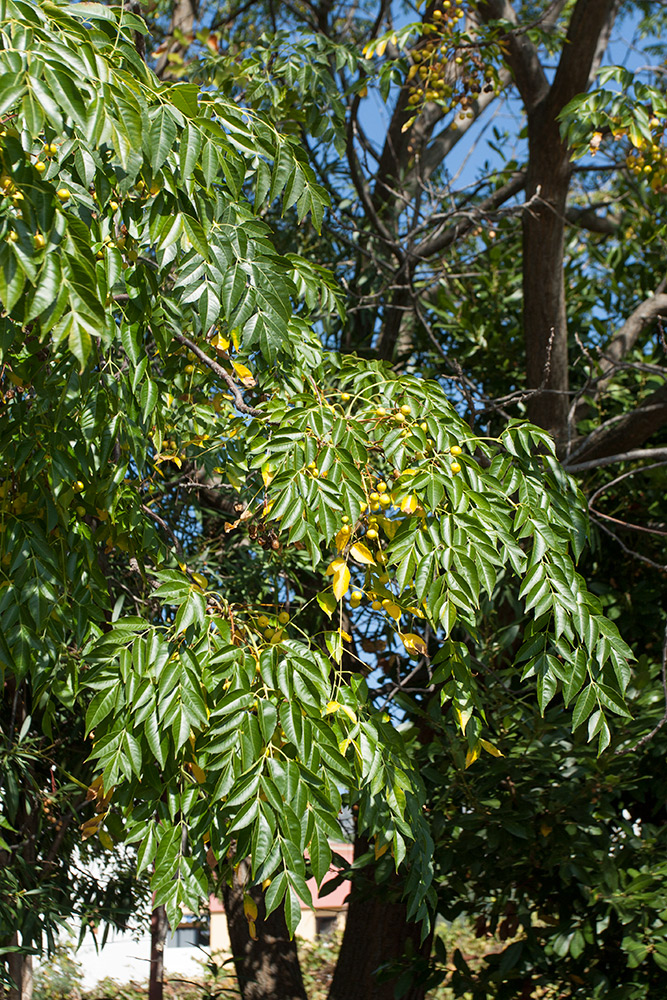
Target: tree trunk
{"x": 378, "y": 936}
{"x": 20, "y": 970}
{"x": 544, "y": 314}
{"x": 267, "y": 968}
{"x": 159, "y": 927}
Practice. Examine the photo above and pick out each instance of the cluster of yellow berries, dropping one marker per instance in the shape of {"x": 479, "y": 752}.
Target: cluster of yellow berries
{"x": 269, "y": 631}
{"x": 650, "y": 158}
{"x": 439, "y": 70}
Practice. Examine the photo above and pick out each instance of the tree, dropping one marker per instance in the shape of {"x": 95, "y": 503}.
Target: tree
{"x": 311, "y": 474}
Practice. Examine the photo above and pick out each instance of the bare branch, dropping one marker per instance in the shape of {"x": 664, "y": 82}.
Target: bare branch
{"x": 636, "y": 455}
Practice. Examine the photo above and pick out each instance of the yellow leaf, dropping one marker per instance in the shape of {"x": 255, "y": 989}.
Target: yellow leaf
{"x": 268, "y": 473}
{"x": 362, "y": 554}
{"x": 244, "y": 374}
{"x": 381, "y": 46}
{"x": 333, "y": 566}
{"x": 201, "y": 580}
{"x": 345, "y": 635}
{"x": 414, "y": 643}
{"x": 380, "y": 849}
{"x": 473, "y": 754}
{"x": 463, "y": 717}
{"x": 341, "y": 578}
{"x": 389, "y": 527}
{"x": 332, "y": 708}
{"x": 220, "y": 343}
{"x": 350, "y": 714}
{"x": 341, "y": 582}
{"x": 409, "y": 504}
{"x": 545, "y": 829}
{"x": 393, "y": 610}
{"x": 343, "y": 745}
{"x": 250, "y": 907}
{"x": 489, "y": 747}
{"x": 412, "y": 71}
{"x": 342, "y": 538}
{"x": 198, "y": 773}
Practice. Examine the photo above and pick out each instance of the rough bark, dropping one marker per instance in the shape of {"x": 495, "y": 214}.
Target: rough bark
{"x": 268, "y": 968}
{"x": 20, "y": 970}
{"x": 547, "y": 184}
{"x": 377, "y": 934}
{"x": 159, "y": 927}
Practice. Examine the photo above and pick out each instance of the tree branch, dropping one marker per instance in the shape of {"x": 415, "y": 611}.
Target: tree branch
{"x": 239, "y": 401}
{"x": 522, "y": 56}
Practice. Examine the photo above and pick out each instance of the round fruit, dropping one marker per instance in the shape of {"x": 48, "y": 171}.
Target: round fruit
{"x": 374, "y": 497}
{"x": 81, "y": 511}
{"x": 63, "y": 194}
{"x": 380, "y": 411}
{"x": 53, "y": 148}
{"x": 423, "y": 426}
{"x": 269, "y": 633}
{"x": 262, "y": 621}
{"x": 345, "y": 519}
{"x": 276, "y": 637}
{"x": 381, "y": 487}
{"x": 40, "y": 242}
{"x": 189, "y": 369}
{"x": 283, "y": 618}
{"x": 40, "y": 167}
{"x": 372, "y": 534}
{"x": 345, "y": 397}
{"x": 356, "y": 595}
{"x": 346, "y": 529}
{"x": 399, "y": 418}
{"x": 312, "y": 465}
{"x": 78, "y": 486}
{"x": 113, "y": 205}
{"x": 455, "y": 450}
{"x": 455, "y": 467}
{"x": 12, "y": 236}
{"x": 385, "y": 500}
{"x": 376, "y": 605}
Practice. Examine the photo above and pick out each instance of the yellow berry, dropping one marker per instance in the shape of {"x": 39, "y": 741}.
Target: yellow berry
{"x": 283, "y": 618}
{"x": 376, "y": 605}
{"x": 455, "y": 467}
{"x": 113, "y": 205}
{"x": 356, "y": 595}
{"x": 406, "y": 410}
{"x": 12, "y": 236}
{"x": 372, "y": 534}
{"x": 345, "y": 519}
{"x": 262, "y": 621}
{"x": 269, "y": 633}
{"x": 399, "y": 418}
{"x": 455, "y": 450}
{"x": 53, "y": 148}
{"x": 40, "y": 242}
{"x": 374, "y": 497}
{"x": 78, "y": 486}
{"x": 385, "y": 500}
{"x": 380, "y": 411}
{"x": 40, "y": 167}
{"x": 381, "y": 487}
{"x": 345, "y": 397}
{"x": 189, "y": 369}
{"x": 63, "y": 194}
